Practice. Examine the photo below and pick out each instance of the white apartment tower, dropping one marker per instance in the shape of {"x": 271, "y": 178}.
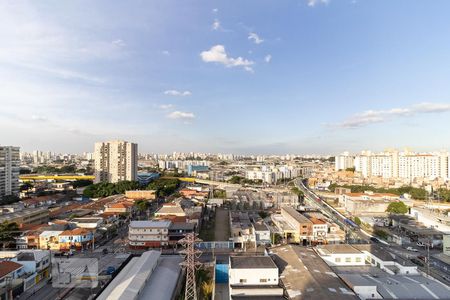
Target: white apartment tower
{"x": 393, "y": 164}
{"x": 344, "y": 161}
{"x": 9, "y": 170}
{"x": 115, "y": 161}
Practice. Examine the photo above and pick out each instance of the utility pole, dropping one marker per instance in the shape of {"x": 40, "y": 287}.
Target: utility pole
{"x": 190, "y": 264}
{"x": 428, "y": 257}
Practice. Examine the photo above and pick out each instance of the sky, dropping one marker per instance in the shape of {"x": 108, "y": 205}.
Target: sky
{"x": 244, "y": 77}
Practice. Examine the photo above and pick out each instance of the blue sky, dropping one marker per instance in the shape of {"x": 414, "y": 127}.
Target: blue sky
{"x": 305, "y": 76}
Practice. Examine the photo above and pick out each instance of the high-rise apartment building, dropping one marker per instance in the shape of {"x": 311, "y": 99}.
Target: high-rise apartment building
{"x": 115, "y": 161}
{"x": 394, "y": 164}
{"x": 9, "y": 170}
{"x": 344, "y": 161}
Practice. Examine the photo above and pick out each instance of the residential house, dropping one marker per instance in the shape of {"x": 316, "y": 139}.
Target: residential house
{"x": 10, "y": 281}
{"x": 49, "y": 240}
{"x": 170, "y": 209}
{"x": 78, "y": 238}
{"x": 148, "y": 234}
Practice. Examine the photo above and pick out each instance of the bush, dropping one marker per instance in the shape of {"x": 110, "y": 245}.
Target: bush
{"x": 397, "y": 208}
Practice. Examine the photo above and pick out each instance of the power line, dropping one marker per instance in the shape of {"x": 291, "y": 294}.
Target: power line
{"x": 190, "y": 264}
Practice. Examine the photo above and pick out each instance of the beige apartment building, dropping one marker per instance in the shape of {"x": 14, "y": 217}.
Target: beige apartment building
{"x": 9, "y": 170}
{"x": 115, "y": 161}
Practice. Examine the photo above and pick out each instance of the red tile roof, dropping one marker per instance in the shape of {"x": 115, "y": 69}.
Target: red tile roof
{"x": 76, "y": 231}
{"x": 7, "y": 267}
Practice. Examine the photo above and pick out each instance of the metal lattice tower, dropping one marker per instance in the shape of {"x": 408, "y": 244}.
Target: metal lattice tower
{"x": 190, "y": 264}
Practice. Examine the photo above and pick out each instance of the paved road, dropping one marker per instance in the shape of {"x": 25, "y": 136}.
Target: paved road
{"x": 222, "y": 225}
{"x": 437, "y": 269}
{"x": 355, "y": 236}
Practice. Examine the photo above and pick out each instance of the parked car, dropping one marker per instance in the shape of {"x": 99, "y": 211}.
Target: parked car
{"x": 418, "y": 262}
{"x": 412, "y": 249}
{"x": 421, "y": 257}
{"x": 110, "y": 270}
{"x": 446, "y": 277}
{"x": 105, "y": 251}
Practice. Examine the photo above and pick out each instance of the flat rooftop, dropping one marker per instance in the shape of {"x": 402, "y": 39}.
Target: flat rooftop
{"x": 306, "y": 276}
{"x": 21, "y": 213}
{"x": 295, "y": 214}
{"x": 162, "y": 283}
{"x": 400, "y": 286}
{"x": 252, "y": 262}
{"x": 337, "y": 249}
{"x": 150, "y": 276}
{"x": 146, "y": 224}
{"x": 383, "y": 254}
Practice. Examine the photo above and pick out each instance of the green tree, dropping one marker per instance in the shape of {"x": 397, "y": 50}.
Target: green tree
{"x": 235, "y": 179}
{"x": 416, "y": 193}
{"x": 381, "y": 233}
{"x": 142, "y": 205}
{"x": 9, "y": 199}
{"x": 164, "y": 186}
{"x": 357, "y": 221}
{"x": 397, "y": 208}
{"x": 8, "y": 231}
{"x": 263, "y": 214}
{"x": 277, "y": 238}
{"x": 81, "y": 183}
{"x": 220, "y": 194}
{"x": 105, "y": 189}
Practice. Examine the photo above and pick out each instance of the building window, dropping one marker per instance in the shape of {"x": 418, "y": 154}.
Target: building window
{"x": 358, "y": 259}
{"x": 348, "y": 259}
{"x": 263, "y": 280}
{"x": 242, "y": 280}
{"x": 337, "y": 259}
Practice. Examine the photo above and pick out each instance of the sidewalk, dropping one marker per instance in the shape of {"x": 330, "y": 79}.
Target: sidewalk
{"x": 30, "y": 292}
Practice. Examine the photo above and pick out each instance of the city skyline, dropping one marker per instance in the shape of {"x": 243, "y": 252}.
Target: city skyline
{"x": 322, "y": 77}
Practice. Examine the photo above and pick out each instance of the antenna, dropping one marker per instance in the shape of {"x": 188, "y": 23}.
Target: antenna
{"x": 190, "y": 264}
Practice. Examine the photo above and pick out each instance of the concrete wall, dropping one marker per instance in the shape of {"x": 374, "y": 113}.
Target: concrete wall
{"x": 253, "y": 276}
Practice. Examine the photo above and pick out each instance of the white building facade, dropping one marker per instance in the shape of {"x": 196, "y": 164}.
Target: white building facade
{"x": 394, "y": 164}
{"x": 9, "y": 170}
{"x": 115, "y": 161}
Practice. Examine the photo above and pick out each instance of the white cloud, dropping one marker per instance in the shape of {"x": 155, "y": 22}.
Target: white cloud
{"x": 215, "y": 10}
{"x": 216, "y": 25}
{"x": 217, "y": 54}
{"x": 313, "y": 3}
{"x": 177, "y": 93}
{"x": 165, "y": 52}
{"x": 39, "y": 118}
{"x": 60, "y": 72}
{"x": 268, "y": 58}
{"x": 256, "y": 39}
{"x": 166, "y": 106}
{"x": 379, "y": 116}
{"x": 118, "y": 43}
{"x": 427, "y": 107}
{"x": 181, "y": 115}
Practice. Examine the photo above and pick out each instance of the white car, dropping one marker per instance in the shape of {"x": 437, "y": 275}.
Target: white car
{"x": 420, "y": 244}
{"x": 412, "y": 249}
